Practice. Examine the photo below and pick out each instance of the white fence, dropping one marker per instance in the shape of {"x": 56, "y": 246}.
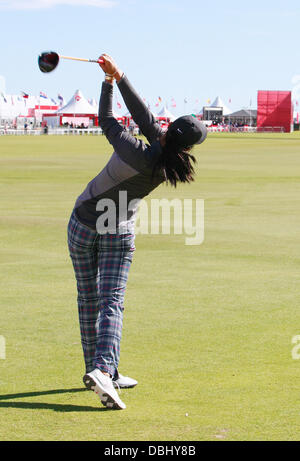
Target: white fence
{"x": 226, "y": 129}
{"x": 52, "y": 131}
{"x": 75, "y": 131}
{"x": 246, "y": 129}
{"x": 98, "y": 131}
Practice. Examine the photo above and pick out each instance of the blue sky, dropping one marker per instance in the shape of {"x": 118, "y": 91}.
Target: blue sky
{"x": 169, "y": 48}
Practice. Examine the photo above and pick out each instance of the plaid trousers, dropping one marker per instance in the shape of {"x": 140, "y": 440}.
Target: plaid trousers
{"x": 101, "y": 264}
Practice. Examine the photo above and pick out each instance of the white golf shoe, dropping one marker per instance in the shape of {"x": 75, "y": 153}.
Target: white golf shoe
{"x": 102, "y": 385}
{"x": 124, "y": 382}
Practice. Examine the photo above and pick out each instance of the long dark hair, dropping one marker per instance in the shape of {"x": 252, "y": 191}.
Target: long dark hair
{"x": 175, "y": 163}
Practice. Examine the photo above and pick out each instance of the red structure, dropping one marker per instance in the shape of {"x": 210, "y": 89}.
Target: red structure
{"x": 274, "y": 109}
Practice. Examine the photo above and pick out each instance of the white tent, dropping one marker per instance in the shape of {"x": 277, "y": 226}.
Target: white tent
{"x": 44, "y": 105}
{"x": 165, "y": 113}
{"x": 219, "y": 103}
{"x": 78, "y": 105}
{"x": 12, "y": 105}
{"x": 93, "y": 102}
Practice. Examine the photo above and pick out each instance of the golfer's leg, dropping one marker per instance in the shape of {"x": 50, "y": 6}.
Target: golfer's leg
{"x": 115, "y": 257}
{"x": 83, "y": 249}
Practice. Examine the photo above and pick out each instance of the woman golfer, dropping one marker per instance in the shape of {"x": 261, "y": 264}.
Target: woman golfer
{"x": 101, "y": 227}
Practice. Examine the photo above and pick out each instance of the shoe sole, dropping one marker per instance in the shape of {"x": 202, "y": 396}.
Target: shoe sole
{"x": 107, "y": 400}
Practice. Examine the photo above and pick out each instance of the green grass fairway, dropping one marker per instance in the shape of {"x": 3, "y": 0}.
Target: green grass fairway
{"x": 207, "y": 330}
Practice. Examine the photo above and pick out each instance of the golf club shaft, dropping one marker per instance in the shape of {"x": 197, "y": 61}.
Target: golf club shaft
{"x": 99, "y": 61}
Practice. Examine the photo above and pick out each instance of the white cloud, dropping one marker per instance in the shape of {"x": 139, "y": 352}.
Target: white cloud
{"x": 39, "y": 4}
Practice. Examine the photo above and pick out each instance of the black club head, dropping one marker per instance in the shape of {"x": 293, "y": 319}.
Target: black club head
{"x": 48, "y": 61}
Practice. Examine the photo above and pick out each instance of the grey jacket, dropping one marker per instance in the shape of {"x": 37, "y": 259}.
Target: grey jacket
{"x": 130, "y": 166}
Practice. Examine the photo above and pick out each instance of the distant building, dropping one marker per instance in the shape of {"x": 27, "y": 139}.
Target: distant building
{"x": 242, "y": 117}
{"x": 216, "y": 111}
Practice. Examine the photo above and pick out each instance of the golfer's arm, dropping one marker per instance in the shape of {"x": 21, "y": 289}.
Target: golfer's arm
{"x": 142, "y": 116}
{"x": 107, "y": 122}
{"x": 130, "y": 149}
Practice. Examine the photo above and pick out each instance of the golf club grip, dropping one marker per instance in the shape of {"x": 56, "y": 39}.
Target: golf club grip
{"x": 99, "y": 61}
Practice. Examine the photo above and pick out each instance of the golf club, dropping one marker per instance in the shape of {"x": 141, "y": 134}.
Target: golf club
{"x": 48, "y": 60}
